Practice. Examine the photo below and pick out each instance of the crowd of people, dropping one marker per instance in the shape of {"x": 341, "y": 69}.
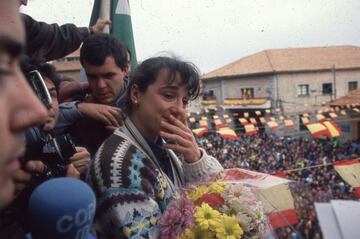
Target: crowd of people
{"x": 306, "y": 161}
{"x": 126, "y": 134}
{"x": 122, "y": 135}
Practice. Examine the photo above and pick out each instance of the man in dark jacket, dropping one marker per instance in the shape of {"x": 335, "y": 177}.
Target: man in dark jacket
{"x": 51, "y": 41}
{"x": 106, "y": 62}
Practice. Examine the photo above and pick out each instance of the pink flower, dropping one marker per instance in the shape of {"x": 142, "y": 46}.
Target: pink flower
{"x": 176, "y": 218}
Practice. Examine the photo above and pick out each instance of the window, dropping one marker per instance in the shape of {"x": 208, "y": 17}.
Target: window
{"x": 209, "y": 95}
{"x": 303, "y": 90}
{"x": 353, "y": 85}
{"x": 247, "y": 93}
{"x": 327, "y": 89}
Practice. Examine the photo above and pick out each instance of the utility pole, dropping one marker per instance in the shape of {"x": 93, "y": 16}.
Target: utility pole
{"x": 334, "y": 80}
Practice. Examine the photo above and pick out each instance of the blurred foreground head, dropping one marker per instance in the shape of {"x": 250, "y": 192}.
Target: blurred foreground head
{"x": 19, "y": 106}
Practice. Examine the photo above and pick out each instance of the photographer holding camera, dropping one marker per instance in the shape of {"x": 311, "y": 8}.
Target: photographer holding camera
{"x": 58, "y": 148}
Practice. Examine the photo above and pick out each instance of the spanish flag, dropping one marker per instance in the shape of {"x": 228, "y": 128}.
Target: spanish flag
{"x": 227, "y": 133}
{"x": 219, "y": 123}
{"x": 305, "y": 120}
{"x": 243, "y": 121}
{"x": 262, "y": 120}
{"x": 274, "y": 192}
{"x": 253, "y": 121}
{"x": 333, "y": 129}
{"x": 272, "y": 119}
{"x": 200, "y": 131}
{"x": 203, "y": 123}
{"x": 228, "y": 120}
{"x": 349, "y": 170}
{"x": 273, "y": 125}
{"x": 279, "y": 205}
{"x": 320, "y": 117}
{"x": 317, "y": 130}
{"x": 250, "y": 129}
{"x": 289, "y": 123}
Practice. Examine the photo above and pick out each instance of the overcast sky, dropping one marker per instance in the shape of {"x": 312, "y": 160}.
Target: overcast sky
{"x": 213, "y": 33}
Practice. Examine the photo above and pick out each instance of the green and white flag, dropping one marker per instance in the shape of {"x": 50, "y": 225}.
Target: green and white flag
{"x": 118, "y": 11}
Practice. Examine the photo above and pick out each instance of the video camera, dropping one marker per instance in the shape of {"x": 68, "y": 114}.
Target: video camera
{"x": 53, "y": 151}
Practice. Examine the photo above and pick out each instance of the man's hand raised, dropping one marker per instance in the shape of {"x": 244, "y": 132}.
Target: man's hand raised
{"x": 111, "y": 117}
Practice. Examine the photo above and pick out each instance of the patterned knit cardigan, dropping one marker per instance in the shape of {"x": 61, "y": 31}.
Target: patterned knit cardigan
{"x": 132, "y": 191}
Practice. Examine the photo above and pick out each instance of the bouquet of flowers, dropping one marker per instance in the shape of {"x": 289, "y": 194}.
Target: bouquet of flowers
{"x": 219, "y": 209}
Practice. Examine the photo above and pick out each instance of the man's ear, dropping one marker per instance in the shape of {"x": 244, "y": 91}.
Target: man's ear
{"x": 134, "y": 94}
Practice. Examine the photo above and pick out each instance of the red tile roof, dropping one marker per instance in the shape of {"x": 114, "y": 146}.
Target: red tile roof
{"x": 353, "y": 97}
{"x": 291, "y": 60}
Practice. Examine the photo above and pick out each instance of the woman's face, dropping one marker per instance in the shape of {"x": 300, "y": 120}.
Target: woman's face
{"x": 159, "y": 101}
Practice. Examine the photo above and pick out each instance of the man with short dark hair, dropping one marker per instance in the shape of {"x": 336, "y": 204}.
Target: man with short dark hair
{"x": 106, "y": 63}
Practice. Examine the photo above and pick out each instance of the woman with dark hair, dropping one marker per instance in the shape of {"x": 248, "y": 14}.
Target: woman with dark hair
{"x": 138, "y": 170}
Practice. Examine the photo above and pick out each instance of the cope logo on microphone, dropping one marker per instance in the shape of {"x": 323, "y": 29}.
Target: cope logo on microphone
{"x": 80, "y": 221}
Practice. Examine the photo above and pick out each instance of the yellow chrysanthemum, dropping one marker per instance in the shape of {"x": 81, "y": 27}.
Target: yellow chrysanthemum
{"x": 206, "y": 217}
{"x": 217, "y": 187}
{"x": 229, "y": 228}
{"x": 198, "y": 192}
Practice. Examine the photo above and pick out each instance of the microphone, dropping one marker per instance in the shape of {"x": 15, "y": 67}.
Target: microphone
{"x": 62, "y": 208}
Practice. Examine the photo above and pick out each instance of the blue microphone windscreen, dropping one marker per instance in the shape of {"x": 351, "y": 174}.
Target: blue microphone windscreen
{"x": 61, "y": 208}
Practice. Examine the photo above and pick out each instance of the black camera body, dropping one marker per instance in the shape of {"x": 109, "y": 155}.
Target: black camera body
{"x": 54, "y": 152}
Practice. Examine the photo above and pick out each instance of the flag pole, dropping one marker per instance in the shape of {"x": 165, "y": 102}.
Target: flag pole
{"x": 105, "y": 8}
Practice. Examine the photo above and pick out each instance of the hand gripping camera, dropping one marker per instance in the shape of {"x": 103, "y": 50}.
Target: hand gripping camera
{"x": 53, "y": 151}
